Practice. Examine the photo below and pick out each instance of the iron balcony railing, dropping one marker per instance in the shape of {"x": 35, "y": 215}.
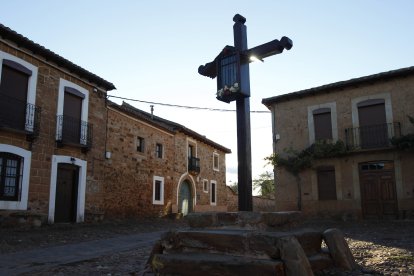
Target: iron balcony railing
{"x": 194, "y": 164}
{"x": 74, "y": 131}
{"x": 369, "y": 137}
{"x": 19, "y": 115}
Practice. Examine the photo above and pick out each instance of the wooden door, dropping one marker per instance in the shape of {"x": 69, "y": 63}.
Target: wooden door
{"x": 66, "y": 193}
{"x": 185, "y": 200}
{"x": 378, "y": 192}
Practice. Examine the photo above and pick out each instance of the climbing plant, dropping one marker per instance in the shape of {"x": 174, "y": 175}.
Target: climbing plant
{"x": 296, "y": 161}
{"x": 404, "y": 142}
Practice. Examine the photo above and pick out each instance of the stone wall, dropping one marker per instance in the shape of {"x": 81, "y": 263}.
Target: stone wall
{"x": 44, "y": 147}
{"x": 130, "y": 173}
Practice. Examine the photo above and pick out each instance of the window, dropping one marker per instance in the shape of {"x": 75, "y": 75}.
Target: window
{"x": 72, "y": 115}
{"x": 326, "y": 183}
{"x": 373, "y": 128}
{"x": 205, "y": 185}
{"x": 322, "y": 123}
{"x": 10, "y": 176}
{"x": 158, "y": 190}
{"x": 18, "y": 94}
{"x": 159, "y": 150}
{"x": 213, "y": 193}
{"x": 193, "y": 161}
{"x": 216, "y": 161}
{"x": 140, "y": 144}
{"x": 14, "y": 177}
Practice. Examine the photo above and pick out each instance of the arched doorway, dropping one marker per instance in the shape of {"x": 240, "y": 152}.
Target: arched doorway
{"x": 185, "y": 199}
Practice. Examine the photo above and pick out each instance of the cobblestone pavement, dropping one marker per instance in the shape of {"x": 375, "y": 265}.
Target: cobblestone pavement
{"x": 380, "y": 248}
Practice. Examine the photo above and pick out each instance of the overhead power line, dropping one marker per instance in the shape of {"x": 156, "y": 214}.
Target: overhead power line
{"x": 184, "y": 106}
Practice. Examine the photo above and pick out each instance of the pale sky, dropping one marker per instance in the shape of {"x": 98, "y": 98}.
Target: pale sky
{"x": 150, "y": 50}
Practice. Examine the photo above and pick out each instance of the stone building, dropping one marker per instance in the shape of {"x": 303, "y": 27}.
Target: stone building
{"x": 373, "y": 177}
{"x": 157, "y": 167}
{"x": 51, "y": 150}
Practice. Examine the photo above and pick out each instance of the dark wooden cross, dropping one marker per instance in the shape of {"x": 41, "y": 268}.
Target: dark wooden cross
{"x": 231, "y": 67}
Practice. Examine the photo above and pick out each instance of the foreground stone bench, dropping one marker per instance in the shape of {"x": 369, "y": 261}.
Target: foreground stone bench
{"x": 249, "y": 244}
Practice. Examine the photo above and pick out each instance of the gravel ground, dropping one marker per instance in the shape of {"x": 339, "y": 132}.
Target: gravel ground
{"x": 379, "y": 247}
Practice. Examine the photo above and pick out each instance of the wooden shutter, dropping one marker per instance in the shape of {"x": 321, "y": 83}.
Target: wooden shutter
{"x": 372, "y": 124}
{"x": 323, "y": 124}
{"x": 326, "y": 183}
{"x": 13, "y": 92}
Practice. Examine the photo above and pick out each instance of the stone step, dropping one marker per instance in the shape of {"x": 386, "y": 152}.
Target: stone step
{"x": 320, "y": 261}
{"x": 240, "y": 242}
{"x": 200, "y": 264}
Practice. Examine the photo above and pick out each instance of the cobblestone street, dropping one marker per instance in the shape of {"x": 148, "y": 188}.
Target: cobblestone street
{"x": 380, "y": 248}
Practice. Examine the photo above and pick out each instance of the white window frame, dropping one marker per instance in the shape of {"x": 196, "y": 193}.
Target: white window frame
{"x": 161, "y": 201}
{"x": 216, "y": 168}
{"x": 213, "y": 182}
{"x": 21, "y": 203}
{"x": 311, "y": 123}
{"x": 31, "y": 89}
{"x": 84, "y": 112}
{"x": 205, "y": 185}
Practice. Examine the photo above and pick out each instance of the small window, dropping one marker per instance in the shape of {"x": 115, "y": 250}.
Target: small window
{"x": 326, "y": 183}
{"x": 158, "y": 190}
{"x": 205, "y": 185}
{"x": 10, "y": 176}
{"x": 159, "y": 150}
{"x": 213, "y": 193}
{"x": 216, "y": 161}
{"x": 140, "y": 144}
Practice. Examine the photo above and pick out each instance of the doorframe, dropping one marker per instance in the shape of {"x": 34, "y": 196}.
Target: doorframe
{"x": 80, "y": 207}
{"x": 190, "y": 179}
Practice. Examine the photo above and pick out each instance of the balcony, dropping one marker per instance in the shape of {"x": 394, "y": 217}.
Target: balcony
{"x": 19, "y": 116}
{"x": 72, "y": 131}
{"x": 194, "y": 165}
{"x": 372, "y": 137}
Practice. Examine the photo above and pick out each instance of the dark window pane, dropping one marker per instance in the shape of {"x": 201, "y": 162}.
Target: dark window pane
{"x": 10, "y": 175}
{"x": 157, "y": 194}
{"x": 213, "y": 193}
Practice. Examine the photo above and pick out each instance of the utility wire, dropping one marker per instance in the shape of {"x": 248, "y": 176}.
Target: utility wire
{"x": 185, "y": 106}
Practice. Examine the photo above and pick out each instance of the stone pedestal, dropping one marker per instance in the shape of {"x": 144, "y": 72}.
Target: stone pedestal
{"x": 248, "y": 243}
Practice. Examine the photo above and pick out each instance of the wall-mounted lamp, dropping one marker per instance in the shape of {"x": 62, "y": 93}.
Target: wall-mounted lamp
{"x": 73, "y": 160}
{"x": 108, "y": 155}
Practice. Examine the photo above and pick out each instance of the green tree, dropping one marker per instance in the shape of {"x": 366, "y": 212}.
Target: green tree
{"x": 234, "y": 186}
{"x": 265, "y": 182}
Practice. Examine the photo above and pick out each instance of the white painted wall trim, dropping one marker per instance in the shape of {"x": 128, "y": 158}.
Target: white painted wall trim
{"x": 85, "y": 104}
{"x": 80, "y": 208}
{"x": 21, "y": 204}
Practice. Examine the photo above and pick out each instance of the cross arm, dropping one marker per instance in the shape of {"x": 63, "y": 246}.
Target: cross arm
{"x": 271, "y": 48}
